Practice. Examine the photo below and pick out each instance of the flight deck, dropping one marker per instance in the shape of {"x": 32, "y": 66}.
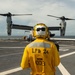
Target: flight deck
{"x": 11, "y": 54}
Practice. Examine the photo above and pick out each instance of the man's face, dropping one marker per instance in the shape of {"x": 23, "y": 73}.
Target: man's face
{"x": 40, "y": 30}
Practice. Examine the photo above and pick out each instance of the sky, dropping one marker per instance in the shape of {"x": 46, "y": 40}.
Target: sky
{"x": 40, "y": 9}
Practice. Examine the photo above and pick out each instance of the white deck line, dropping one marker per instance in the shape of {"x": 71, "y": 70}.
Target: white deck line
{"x": 11, "y": 71}
{"x": 67, "y": 39}
{"x": 62, "y": 69}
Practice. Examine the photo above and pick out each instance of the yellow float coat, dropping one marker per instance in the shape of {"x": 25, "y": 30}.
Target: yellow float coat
{"x": 41, "y": 56}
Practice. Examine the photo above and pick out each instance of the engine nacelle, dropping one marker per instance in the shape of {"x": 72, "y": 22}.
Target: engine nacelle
{"x": 62, "y": 32}
{"x": 9, "y": 24}
{"x": 63, "y": 28}
{"x": 9, "y": 29}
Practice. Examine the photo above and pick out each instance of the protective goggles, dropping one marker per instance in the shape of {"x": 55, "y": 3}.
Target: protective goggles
{"x": 42, "y": 29}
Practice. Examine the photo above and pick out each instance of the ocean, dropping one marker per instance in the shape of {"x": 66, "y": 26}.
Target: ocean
{"x": 11, "y": 37}
{"x": 21, "y": 37}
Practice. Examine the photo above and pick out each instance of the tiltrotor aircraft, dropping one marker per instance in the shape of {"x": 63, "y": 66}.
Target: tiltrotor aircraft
{"x": 11, "y": 26}
{"x": 63, "y": 23}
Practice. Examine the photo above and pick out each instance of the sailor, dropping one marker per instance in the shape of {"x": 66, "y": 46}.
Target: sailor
{"x": 40, "y": 55}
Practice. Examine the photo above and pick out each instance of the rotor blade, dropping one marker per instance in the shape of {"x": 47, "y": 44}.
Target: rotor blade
{"x": 6, "y": 14}
{"x": 53, "y": 16}
{"x": 9, "y": 14}
{"x": 20, "y": 14}
{"x": 3, "y": 14}
{"x": 69, "y": 19}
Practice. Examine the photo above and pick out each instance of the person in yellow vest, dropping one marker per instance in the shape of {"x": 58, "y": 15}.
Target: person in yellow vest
{"x": 40, "y": 55}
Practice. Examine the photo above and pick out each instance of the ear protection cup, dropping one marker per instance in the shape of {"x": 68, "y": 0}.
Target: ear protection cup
{"x": 47, "y": 33}
{"x": 33, "y": 34}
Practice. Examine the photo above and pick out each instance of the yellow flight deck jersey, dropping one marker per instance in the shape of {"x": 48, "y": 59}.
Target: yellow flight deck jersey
{"x": 41, "y": 56}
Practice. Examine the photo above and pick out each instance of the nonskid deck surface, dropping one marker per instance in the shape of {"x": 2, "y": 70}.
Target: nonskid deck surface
{"x": 11, "y": 54}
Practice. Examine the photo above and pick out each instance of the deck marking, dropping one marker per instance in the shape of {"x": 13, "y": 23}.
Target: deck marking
{"x": 64, "y": 50}
{"x": 63, "y": 70}
{"x": 61, "y": 67}
{"x": 10, "y": 54}
{"x": 11, "y": 71}
{"x": 64, "y": 55}
{"x": 11, "y": 47}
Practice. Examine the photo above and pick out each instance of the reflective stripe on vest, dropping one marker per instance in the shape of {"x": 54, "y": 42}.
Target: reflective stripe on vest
{"x": 40, "y": 44}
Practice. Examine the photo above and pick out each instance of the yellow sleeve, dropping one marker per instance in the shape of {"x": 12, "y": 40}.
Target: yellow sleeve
{"x": 56, "y": 56}
{"x": 25, "y": 59}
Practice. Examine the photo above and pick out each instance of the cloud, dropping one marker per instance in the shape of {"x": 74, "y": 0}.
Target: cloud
{"x": 40, "y": 9}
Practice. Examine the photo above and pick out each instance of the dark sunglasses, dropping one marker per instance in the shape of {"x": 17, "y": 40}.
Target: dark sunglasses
{"x": 38, "y": 29}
